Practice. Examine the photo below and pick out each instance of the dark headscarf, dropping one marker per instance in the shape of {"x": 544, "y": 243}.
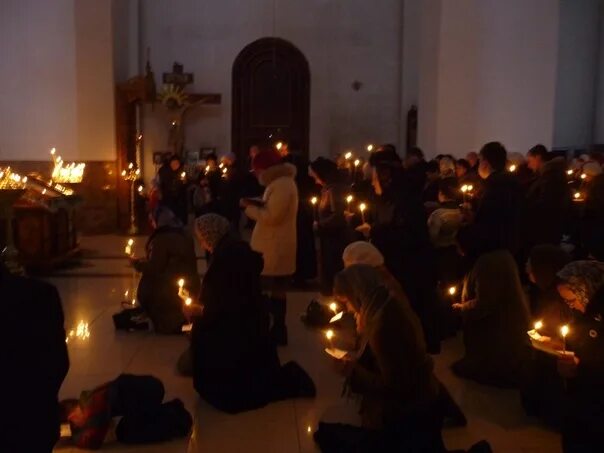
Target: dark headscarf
{"x": 544, "y": 262}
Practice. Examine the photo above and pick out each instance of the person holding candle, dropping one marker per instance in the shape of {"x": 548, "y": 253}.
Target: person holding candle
{"x": 235, "y": 362}
{"x": 362, "y": 252}
{"x": 592, "y": 218}
{"x": 170, "y": 255}
{"x": 544, "y": 262}
{"x": 443, "y": 225}
{"x": 274, "y": 234}
{"x": 172, "y": 189}
{"x": 399, "y": 231}
{"x": 331, "y": 225}
{"x": 397, "y": 386}
{"x": 498, "y": 211}
{"x": 581, "y": 285}
{"x": 306, "y": 253}
{"x": 548, "y": 201}
{"x": 495, "y": 315}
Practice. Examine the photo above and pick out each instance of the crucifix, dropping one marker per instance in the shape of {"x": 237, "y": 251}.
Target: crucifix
{"x": 179, "y": 103}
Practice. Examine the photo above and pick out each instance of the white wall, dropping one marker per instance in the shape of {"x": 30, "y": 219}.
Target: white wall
{"x": 488, "y": 74}
{"x": 577, "y": 73}
{"x": 37, "y": 79}
{"x": 343, "y": 41}
{"x": 599, "y": 108}
{"x": 56, "y": 80}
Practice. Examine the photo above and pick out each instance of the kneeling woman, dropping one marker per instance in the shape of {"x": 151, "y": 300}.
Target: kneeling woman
{"x": 170, "y": 256}
{"x": 393, "y": 373}
{"x": 235, "y": 362}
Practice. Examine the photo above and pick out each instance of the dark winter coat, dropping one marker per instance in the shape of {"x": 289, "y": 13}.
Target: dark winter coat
{"x": 173, "y": 191}
{"x": 332, "y": 232}
{"x": 34, "y": 363}
{"x": 235, "y": 364}
{"x": 547, "y": 207}
{"x": 499, "y": 211}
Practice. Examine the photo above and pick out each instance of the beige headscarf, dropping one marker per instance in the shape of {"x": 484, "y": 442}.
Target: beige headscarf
{"x": 362, "y": 252}
{"x": 362, "y": 286}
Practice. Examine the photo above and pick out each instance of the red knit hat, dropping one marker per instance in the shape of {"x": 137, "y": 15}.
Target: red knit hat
{"x": 265, "y": 159}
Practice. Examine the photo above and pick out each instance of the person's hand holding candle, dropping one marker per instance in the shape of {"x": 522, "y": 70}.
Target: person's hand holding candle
{"x": 568, "y": 366}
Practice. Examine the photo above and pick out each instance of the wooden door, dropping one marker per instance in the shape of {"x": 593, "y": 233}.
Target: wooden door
{"x": 271, "y": 97}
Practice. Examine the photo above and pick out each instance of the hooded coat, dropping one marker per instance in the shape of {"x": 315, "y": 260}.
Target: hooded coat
{"x": 274, "y": 234}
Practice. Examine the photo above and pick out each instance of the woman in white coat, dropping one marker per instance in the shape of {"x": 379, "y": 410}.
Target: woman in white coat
{"x": 274, "y": 235}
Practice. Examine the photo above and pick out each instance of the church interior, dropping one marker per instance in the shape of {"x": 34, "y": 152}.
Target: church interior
{"x": 134, "y": 128}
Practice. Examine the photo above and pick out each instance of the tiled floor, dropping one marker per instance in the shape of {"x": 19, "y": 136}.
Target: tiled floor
{"x": 93, "y": 293}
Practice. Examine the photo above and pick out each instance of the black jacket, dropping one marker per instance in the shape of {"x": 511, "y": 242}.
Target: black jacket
{"x": 499, "y": 209}
{"x": 547, "y": 207}
{"x": 586, "y": 340}
{"x": 34, "y": 363}
{"x": 235, "y": 362}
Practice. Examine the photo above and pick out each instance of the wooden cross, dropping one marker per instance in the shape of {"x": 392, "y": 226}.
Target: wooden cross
{"x": 180, "y": 79}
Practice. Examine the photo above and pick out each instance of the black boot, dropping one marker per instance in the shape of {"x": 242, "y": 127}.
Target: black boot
{"x": 279, "y": 330}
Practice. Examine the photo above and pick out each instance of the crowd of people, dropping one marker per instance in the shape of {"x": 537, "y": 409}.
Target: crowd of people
{"x": 496, "y": 245}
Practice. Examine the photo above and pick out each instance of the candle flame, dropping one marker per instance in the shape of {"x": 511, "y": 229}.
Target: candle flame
{"x": 349, "y": 198}
{"x": 569, "y": 172}
{"x": 370, "y": 148}
{"x": 583, "y": 176}
{"x": 333, "y": 307}
{"x": 337, "y": 317}
{"x": 538, "y": 325}
{"x": 348, "y": 155}
{"x": 452, "y": 290}
{"x": 188, "y": 301}
{"x": 357, "y": 162}
{"x": 181, "y": 282}
{"x": 577, "y": 195}
{"x": 329, "y": 334}
{"x": 512, "y": 168}
{"x": 564, "y": 330}
{"x": 279, "y": 145}
{"x": 314, "y": 200}
{"x": 362, "y": 207}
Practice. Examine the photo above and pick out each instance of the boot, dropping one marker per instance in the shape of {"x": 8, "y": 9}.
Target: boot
{"x": 279, "y": 330}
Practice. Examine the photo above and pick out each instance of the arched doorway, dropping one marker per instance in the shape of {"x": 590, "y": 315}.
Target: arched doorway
{"x": 271, "y": 96}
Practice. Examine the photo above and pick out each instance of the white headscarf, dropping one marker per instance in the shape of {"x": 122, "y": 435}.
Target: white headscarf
{"x": 362, "y": 252}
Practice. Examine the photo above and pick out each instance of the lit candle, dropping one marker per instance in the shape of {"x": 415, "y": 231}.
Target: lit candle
{"x": 333, "y": 307}
{"x": 583, "y": 176}
{"x": 569, "y": 172}
{"x": 183, "y": 175}
{"x": 313, "y": 202}
{"x": 329, "y": 334}
{"x": 349, "y": 199}
{"x": 188, "y": 301}
{"x": 348, "y": 155}
{"x": 512, "y": 168}
{"x": 140, "y": 189}
{"x": 181, "y": 285}
{"x": 369, "y": 147}
{"x": 564, "y": 332}
{"x": 538, "y": 325}
{"x": 452, "y": 290}
{"x": 279, "y": 145}
{"x": 577, "y": 196}
{"x": 362, "y": 208}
